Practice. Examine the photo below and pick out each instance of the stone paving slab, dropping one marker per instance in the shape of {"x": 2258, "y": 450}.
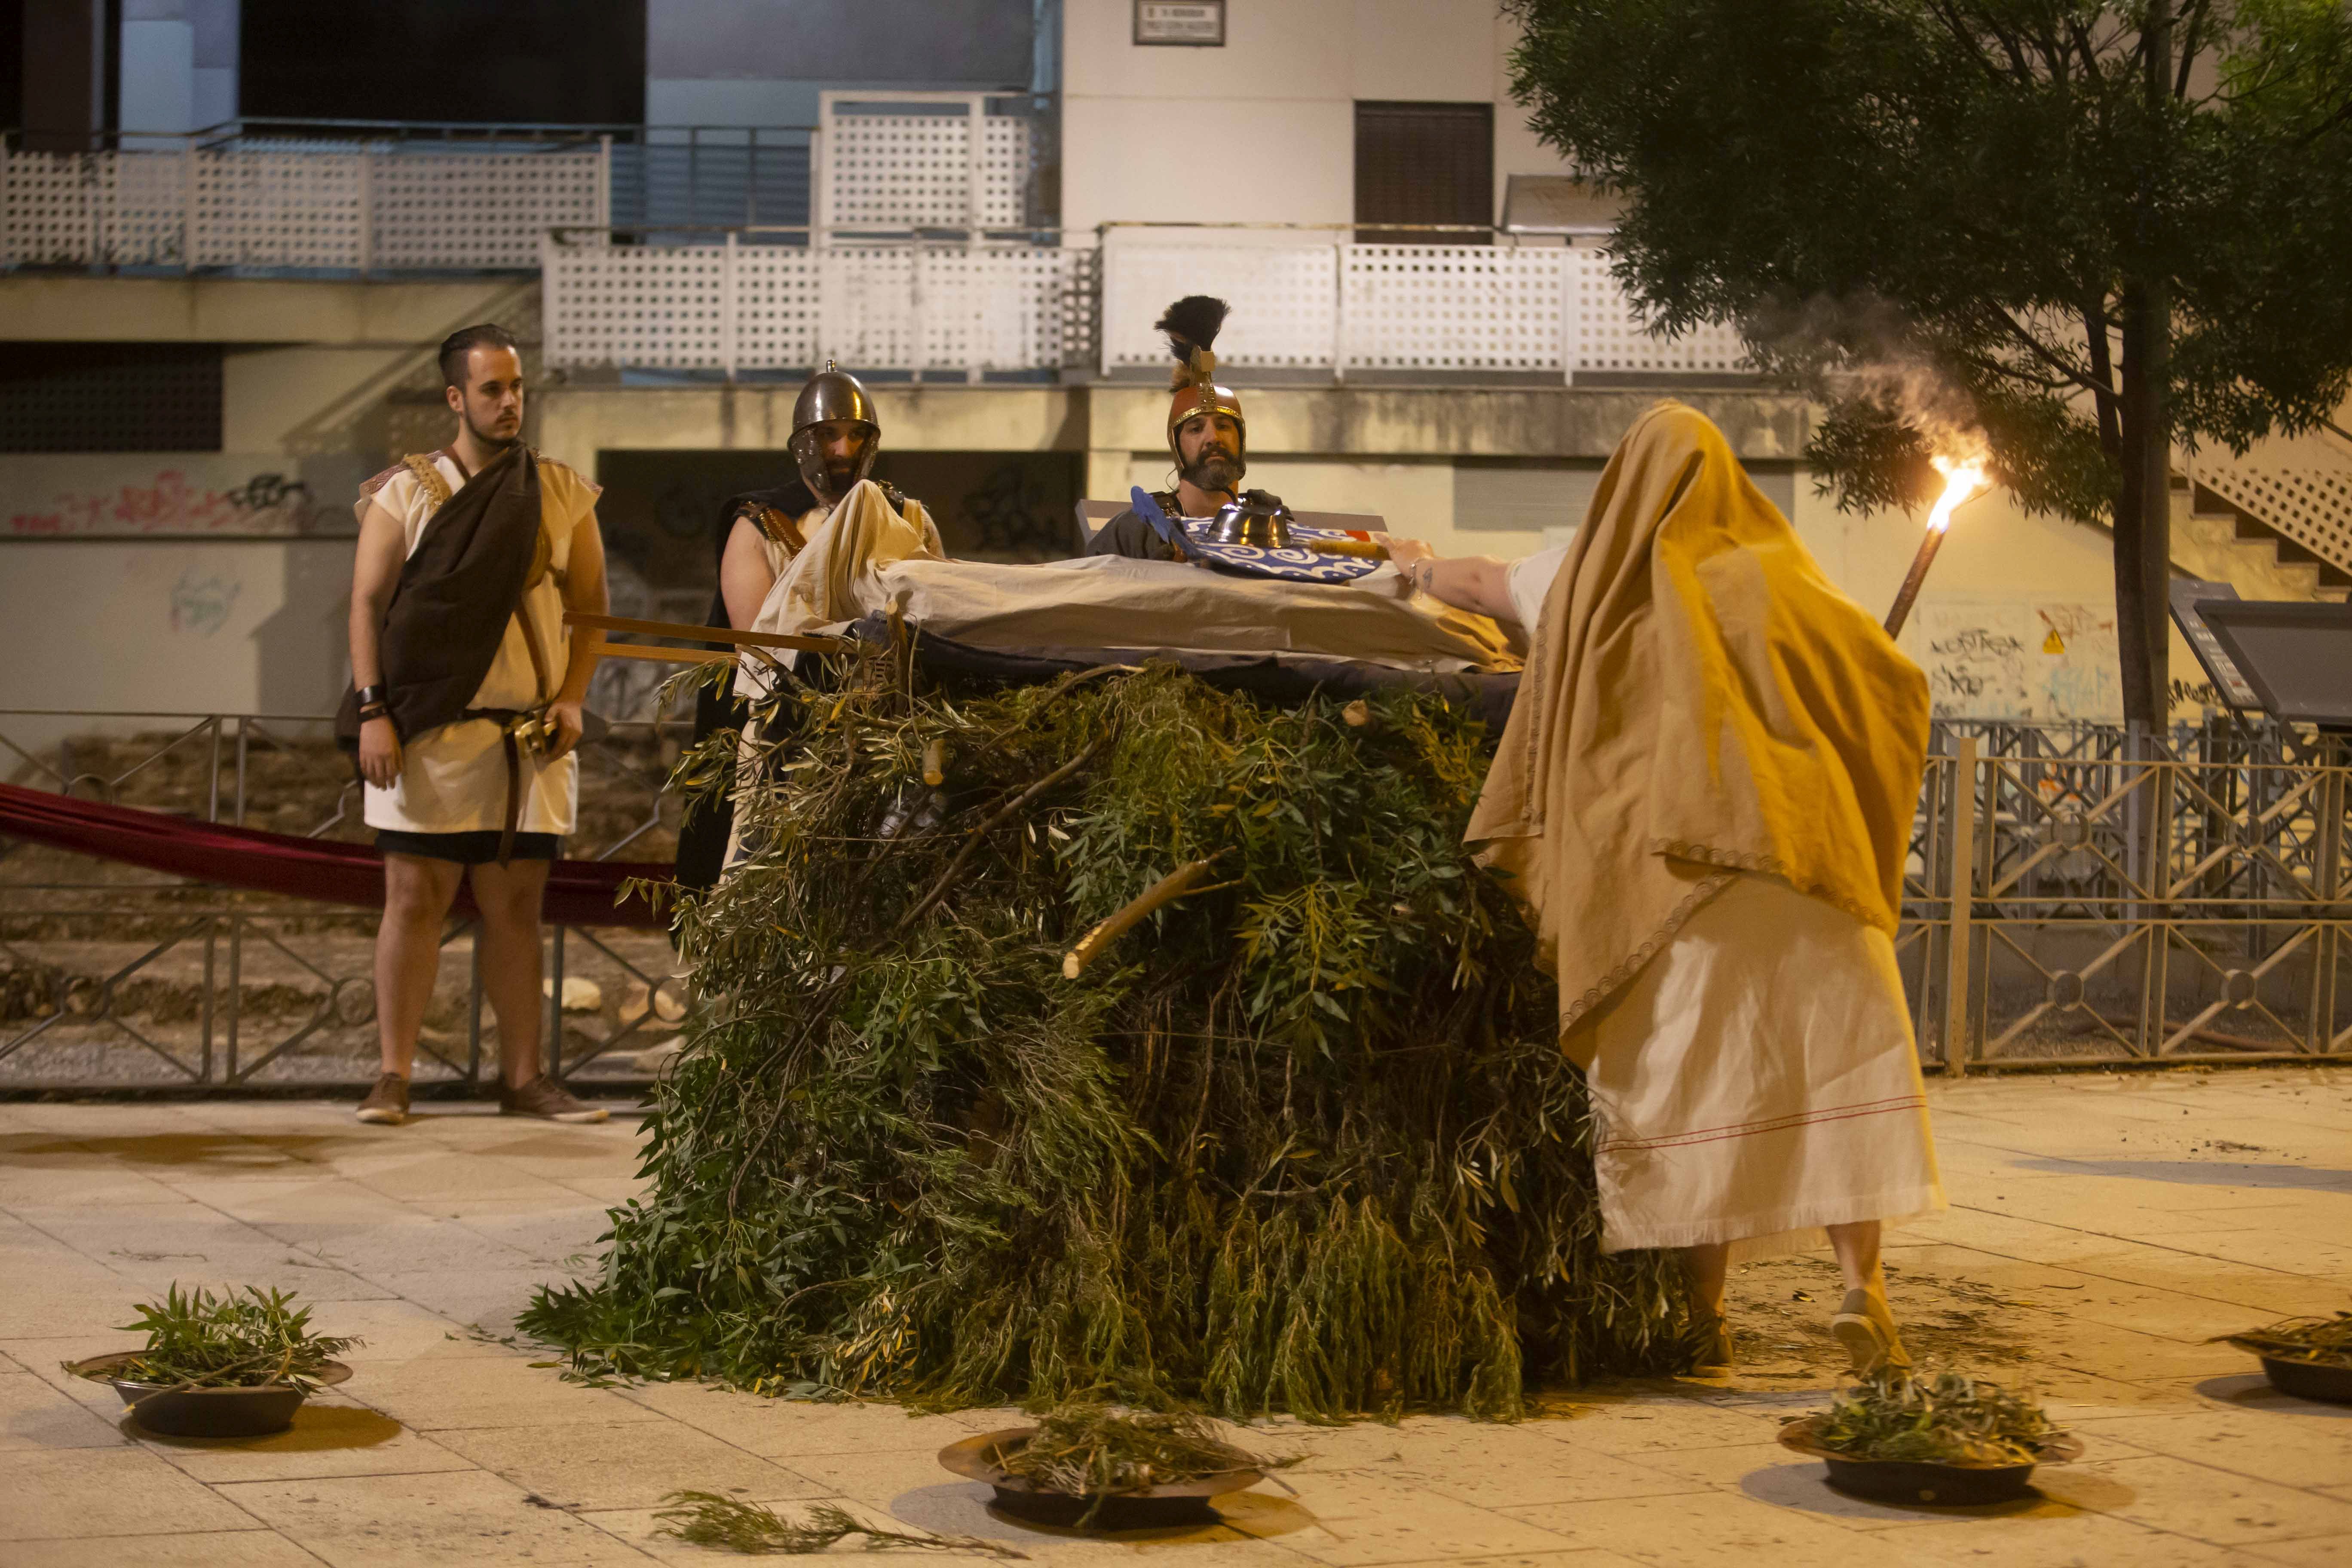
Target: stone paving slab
{"x": 2102, "y": 1227}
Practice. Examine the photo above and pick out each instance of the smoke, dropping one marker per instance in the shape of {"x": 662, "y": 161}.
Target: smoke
{"x": 1863, "y": 349}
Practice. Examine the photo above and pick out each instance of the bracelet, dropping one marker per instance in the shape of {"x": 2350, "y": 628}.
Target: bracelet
{"x": 378, "y": 711}
{"x": 372, "y": 696}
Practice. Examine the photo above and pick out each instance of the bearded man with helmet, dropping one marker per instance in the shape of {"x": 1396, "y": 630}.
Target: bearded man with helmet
{"x": 1207, "y": 437}
{"x": 837, "y": 435}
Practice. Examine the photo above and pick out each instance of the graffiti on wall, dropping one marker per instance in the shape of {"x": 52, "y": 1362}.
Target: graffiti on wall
{"x": 2022, "y": 659}
{"x": 94, "y": 495}
{"x": 201, "y": 602}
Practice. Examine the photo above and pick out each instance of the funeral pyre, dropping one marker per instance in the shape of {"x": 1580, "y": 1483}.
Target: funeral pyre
{"x": 1301, "y": 1140}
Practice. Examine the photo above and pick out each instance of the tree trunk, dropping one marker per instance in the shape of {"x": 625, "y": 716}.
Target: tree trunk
{"x": 2144, "y": 507}
{"x": 2144, "y": 502}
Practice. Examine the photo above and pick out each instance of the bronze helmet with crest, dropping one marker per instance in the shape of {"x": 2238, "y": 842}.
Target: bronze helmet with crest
{"x": 1191, "y": 324}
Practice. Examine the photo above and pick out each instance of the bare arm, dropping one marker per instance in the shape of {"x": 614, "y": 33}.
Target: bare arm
{"x": 744, "y": 576}
{"x": 382, "y": 547}
{"x": 583, "y": 589}
{"x": 1479, "y": 583}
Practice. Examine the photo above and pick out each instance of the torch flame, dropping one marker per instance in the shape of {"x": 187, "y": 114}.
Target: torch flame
{"x": 1962, "y": 482}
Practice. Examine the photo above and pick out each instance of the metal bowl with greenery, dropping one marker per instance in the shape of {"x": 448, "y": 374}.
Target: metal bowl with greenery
{"x": 2310, "y": 1358}
{"x": 1936, "y": 1438}
{"x": 237, "y": 1365}
{"x": 1096, "y": 1467}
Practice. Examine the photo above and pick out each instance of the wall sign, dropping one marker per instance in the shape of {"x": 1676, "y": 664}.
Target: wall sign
{"x": 1196, "y": 24}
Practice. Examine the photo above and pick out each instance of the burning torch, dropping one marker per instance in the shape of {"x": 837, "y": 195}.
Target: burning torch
{"x": 1962, "y": 481}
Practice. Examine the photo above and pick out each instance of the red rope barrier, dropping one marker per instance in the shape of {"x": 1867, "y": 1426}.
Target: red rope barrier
{"x": 579, "y": 892}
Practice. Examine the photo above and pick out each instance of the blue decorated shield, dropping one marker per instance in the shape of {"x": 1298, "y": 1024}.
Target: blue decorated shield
{"x": 1297, "y": 562}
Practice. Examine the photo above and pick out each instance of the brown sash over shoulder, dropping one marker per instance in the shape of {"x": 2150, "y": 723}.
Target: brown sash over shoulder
{"x": 457, "y": 589}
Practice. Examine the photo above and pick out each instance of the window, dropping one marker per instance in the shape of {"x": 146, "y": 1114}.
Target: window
{"x": 109, "y": 397}
{"x": 1423, "y": 162}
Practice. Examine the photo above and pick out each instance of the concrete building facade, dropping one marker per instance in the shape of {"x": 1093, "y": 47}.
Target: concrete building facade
{"x": 217, "y": 571}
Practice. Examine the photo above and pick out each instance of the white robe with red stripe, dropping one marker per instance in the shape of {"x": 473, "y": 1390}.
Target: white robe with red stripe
{"x": 1757, "y": 1080}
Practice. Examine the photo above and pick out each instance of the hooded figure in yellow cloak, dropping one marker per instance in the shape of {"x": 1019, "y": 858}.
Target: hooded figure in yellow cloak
{"x": 1704, "y": 801}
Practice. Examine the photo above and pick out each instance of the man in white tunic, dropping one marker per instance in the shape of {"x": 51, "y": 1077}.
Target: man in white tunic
{"x": 478, "y": 790}
{"x": 1704, "y": 800}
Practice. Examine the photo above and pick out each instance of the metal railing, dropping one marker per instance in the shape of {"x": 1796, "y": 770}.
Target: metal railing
{"x": 2076, "y": 895}
{"x": 276, "y": 993}
{"x": 357, "y": 198}
{"x": 370, "y": 199}
{"x": 744, "y": 301}
{"x": 2080, "y": 895}
{"x": 969, "y": 302}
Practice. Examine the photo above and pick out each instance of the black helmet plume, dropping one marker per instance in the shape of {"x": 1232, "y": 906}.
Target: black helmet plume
{"x": 1191, "y": 324}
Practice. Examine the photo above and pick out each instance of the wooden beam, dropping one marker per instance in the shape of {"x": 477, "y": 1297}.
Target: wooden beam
{"x": 703, "y": 633}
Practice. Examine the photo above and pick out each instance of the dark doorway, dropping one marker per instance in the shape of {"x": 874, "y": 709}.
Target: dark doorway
{"x": 659, "y": 511}
{"x": 1423, "y": 162}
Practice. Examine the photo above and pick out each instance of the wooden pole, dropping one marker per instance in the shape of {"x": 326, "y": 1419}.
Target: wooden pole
{"x": 1964, "y": 881}
{"x": 1925, "y": 558}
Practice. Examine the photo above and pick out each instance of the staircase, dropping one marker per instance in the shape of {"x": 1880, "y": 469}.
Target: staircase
{"x": 2274, "y": 524}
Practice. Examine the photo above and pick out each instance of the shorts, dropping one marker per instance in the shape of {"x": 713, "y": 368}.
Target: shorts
{"x": 467, "y": 849}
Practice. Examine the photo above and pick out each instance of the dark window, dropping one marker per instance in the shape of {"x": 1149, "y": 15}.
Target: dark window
{"x": 1423, "y": 162}
{"x": 109, "y": 397}
{"x": 514, "y": 62}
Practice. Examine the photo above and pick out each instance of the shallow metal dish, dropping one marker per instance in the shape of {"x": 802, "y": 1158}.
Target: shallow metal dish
{"x": 1155, "y": 1508}
{"x": 1917, "y": 1482}
{"x": 205, "y": 1412}
{"x": 2309, "y": 1379}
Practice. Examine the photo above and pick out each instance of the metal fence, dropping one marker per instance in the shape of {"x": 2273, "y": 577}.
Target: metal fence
{"x": 1312, "y": 298}
{"x": 129, "y": 980}
{"x": 368, "y": 198}
{"x": 749, "y": 300}
{"x": 2076, "y": 895}
{"x": 753, "y": 299}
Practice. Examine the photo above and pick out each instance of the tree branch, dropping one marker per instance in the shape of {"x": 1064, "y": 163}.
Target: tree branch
{"x": 2013, "y": 373}
{"x": 1967, "y": 39}
{"x": 2192, "y": 40}
{"x": 1994, "y": 315}
{"x": 974, "y": 839}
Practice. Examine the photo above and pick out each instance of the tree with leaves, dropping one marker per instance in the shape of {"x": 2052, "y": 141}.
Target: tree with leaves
{"x": 2076, "y": 234}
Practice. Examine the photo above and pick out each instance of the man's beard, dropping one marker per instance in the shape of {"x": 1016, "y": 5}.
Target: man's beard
{"x": 491, "y": 440}
{"x": 487, "y": 438}
{"x": 1213, "y": 469}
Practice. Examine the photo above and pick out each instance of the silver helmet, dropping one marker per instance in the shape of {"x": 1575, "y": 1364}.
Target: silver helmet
{"x": 832, "y": 394}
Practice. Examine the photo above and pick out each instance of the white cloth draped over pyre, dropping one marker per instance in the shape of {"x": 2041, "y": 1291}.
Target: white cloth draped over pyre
{"x": 866, "y": 559}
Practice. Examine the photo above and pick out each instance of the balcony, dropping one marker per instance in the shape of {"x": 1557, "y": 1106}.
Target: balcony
{"x": 1309, "y": 302}
{"x": 362, "y": 199}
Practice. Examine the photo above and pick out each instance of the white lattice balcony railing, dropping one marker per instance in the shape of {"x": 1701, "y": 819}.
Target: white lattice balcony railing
{"x": 1311, "y": 302}
{"x": 368, "y": 198}
{"x": 374, "y": 201}
{"x": 756, "y": 301}
{"x": 768, "y": 300}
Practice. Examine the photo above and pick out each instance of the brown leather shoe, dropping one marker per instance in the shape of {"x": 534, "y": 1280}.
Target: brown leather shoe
{"x": 543, "y": 1096}
{"x": 387, "y": 1101}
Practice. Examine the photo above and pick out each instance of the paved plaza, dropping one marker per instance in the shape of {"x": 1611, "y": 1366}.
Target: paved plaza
{"x": 2102, "y": 1226}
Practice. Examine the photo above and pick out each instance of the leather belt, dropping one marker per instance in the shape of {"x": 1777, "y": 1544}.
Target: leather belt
{"x": 511, "y": 721}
